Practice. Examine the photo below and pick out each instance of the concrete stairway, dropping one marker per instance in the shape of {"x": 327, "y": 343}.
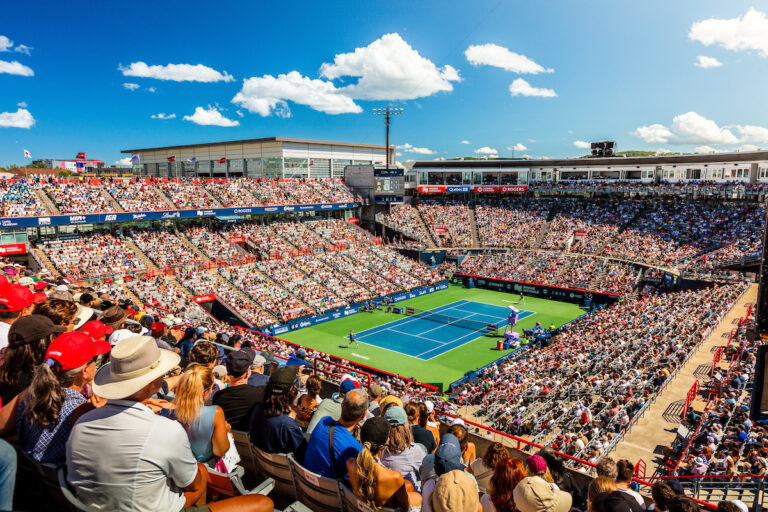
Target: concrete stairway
{"x": 200, "y": 254}
{"x": 165, "y": 198}
{"x": 541, "y": 234}
{"x": 47, "y": 202}
{"x": 426, "y": 227}
{"x": 473, "y": 225}
{"x": 148, "y": 262}
{"x": 114, "y": 205}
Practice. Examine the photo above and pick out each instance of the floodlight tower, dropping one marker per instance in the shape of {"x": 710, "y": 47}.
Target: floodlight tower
{"x": 387, "y": 112}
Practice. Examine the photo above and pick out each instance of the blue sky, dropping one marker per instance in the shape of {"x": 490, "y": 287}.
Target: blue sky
{"x": 494, "y": 74}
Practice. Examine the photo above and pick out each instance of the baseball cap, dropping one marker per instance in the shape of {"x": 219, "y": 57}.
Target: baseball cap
{"x": 199, "y": 331}
{"x": 157, "y": 328}
{"x": 238, "y": 363}
{"x": 96, "y": 329}
{"x": 301, "y": 353}
{"x": 455, "y": 491}
{"x": 58, "y": 294}
{"x": 219, "y": 371}
{"x": 41, "y": 285}
{"x": 396, "y": 415}
{"x": 74, "y": 349}
{"x": 119, "y": 335}
{"x": 430, "y": 406}
{"x": 534, "y": 494}
{"x": 375, "y": 390}
{"x": 537, "y": 464}
{"x": 390, "y": 399}
{"x": 259, "y": 361}
{"x": 348, "y": 385}
{"x": 282, "y": 379}
{"x": 448, "y": 455}
{"x": 375, "y": 431}
{"x": 62, "y": 288}
{"x": 32, "y": 328}
{"x": 26, "y": 281}
{"x": 14, "y": 297}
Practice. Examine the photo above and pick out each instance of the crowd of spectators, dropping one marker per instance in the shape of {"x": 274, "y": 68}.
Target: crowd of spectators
{"x": 187, "y": 194}
{"x": 78, "y": 197}
{"x": 164, "y": 248}
{"x": 213, "y": 244}
{"x": 451, "y": 215}
{"x": 583, "y": 390}
{"x": 137, "y": 196}
{"x": 510, "y": 222}
{"x": 18, "y": 199}
{"x": 94, "y": 254}
{"x": 405, "y": 219}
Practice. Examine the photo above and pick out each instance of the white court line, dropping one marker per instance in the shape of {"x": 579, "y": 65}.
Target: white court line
{"x": 403, "y": 321}
{"x": 417, "y": 336}
{"x": 462, "y": 340}
{"x": 361, "y": 357}
{"x": 444, "y": 324}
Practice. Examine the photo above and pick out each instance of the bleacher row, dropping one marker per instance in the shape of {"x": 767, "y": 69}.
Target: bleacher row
{"x": 673, "y": 232}
{"x": 37, "y": 196}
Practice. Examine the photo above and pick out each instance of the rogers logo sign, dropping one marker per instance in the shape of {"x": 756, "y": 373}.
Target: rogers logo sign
{"x": 514, "y": 188}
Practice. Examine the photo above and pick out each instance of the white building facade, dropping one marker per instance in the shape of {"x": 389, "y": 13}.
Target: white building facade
{"x": 273, "y": 157}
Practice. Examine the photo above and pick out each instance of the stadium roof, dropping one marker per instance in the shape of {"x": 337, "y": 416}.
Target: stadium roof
{"x": 741, "y": 156}
{"x": 262, "y": 140}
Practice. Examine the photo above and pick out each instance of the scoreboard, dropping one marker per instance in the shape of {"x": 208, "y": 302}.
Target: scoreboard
{"x": 388, "y": 185}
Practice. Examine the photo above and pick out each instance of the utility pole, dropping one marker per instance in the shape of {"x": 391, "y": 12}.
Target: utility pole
{"x": 387, "y": 112}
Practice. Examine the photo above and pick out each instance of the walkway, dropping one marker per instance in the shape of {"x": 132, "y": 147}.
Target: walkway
{"x": 657, "y": 428}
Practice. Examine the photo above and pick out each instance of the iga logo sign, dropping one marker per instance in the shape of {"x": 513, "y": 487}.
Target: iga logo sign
{"x": 326, "y": 206}
{"x": 110, "y": 218}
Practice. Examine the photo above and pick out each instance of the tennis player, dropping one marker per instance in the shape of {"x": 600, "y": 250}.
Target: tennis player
{"x": 352, "y": 339}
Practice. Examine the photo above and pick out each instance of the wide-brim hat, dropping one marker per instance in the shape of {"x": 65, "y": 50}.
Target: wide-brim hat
{"x": 134, "y": 363}
{"x": 113, "y": 316}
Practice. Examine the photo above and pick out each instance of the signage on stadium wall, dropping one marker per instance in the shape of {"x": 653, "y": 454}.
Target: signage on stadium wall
{"x": 9, "y": 249}
{"x": 578, "y": 235}
{"x": 574, "y": 295}
{"x": 65, "y": 220}
{"x": 438, "y": 189}
{"x": 354, "y": 220}
{"x": 237, "y": 239}
{"x": 334, "y": 314}
{"x": 208, "y": 297}
{"x": 441, "y": 230}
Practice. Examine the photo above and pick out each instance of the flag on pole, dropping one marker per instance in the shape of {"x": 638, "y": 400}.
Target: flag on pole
{"x": 26, "y": 154}
{"x": 80, "y": 156}
{"x": 193, "y": 159}
{"x": 171, "y": 158}
{"x": 134, "y": 159}
{"x": 222, "y": 160}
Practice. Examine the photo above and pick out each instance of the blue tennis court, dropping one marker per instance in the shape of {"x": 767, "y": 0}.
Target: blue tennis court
{"x": 424, "y": 338}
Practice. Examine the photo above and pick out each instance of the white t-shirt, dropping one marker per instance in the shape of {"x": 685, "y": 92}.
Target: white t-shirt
{"x": 4, "y": 329}
{"x": 487, "y": 504}
{"x": 636, "y": 496}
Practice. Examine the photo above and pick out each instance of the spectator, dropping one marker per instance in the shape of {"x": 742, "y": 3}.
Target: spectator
{"x": 483, "y": 469}
{"x": 205, "y": 425}
{"x": 48, "y": 410}
{"x": 534, "y": 494}
{"x": 328, "y": 458}
{"x": 507, "y": 473}
{"x": 456, "y": 492}
{"x": 468, "y": 451}
{"x": 402, "y": 454}
{"x": 298, "y": 358}
{"x": 122, "y": 457}
{"x": 332, "y": 406}
{"x": 273, "y": 428}
{"x": 447, "y": 458}
{"x": 238, "y": 399}
{"x": 28, "y": 339}
{"x": 114, "y": 317}
{"x": 375, "y": 392}
{"x": 732, "y": 506}
{"x": 8, "y": 468}
{"x": 626, "y": 470}
{"x": 661, "y": 494}
{"x": 14, "y": 303}
{"x": 375, "y": 484}
{"x": 685, "y": 504}
{"x": 417, "y": 418}
{"x": 307, "y": 404}
{"x": 257, "y": 377}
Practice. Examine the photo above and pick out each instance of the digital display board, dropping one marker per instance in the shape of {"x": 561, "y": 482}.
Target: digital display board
{"x": 388, "y": 185}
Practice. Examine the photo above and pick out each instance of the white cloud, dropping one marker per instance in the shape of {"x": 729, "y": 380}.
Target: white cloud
{"x": 526, "y": 157}
{"x": 130, "y": 86}
{"x": 239, "y": 113}
{"x": 500, "y": 57}
{"x": 22, "y": 104}
{"x": 22, "y": 48}
{"x": 705, "y": 149}
{"x": 151, "y": 89}
{"x": 210, "y": 117}
{"x": 389, "y": 69}
{"x": 531, "y": 140}
{"x": 268, "y": 94}
{"x": 407, "y": 148}
{"x": 398, "y": 154}
{"x": 19, "y": 119}
{"x": 661, "y": 151}
{"x": 695, "y": 129}
{"x": 5, "y": 44}
{"x": 465, "y": 142}
{"x": 176, "y": 72}
{"x": 162, "y": 115}
{"x": 485, "y": 150}
{"x": 522, "y": 88}
{"x": 653, "y": 133}
{"x": 747, "y": 147}
{"x": 582, "y": 144}
{"x": 15, "y": 68}
{"x": 124, "y": 162}
{"x": 750, "y": 133}
{"x": 702, "y": 61}
{"x": 748, "y": 32}
{"x": 517, "y": 147}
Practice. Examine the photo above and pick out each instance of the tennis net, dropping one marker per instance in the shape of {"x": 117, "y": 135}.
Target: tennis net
{"x": 464, "y": 323}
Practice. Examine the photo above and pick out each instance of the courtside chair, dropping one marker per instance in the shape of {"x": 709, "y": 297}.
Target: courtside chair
{"x": 317, "y": 492}
{"x": 276, "y": 467}
{"x": 243, "y": 445}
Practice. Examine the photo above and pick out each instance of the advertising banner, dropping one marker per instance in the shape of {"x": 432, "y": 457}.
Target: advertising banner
{"x": 208, "y": 297}
{"x": 237, "y": 239}
{"x": 573, "y": 295}
{"x": 9, "y": 249}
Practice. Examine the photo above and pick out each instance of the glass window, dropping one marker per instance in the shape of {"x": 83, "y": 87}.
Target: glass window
{"x": 319, "y": 168}
{"x": 219, "y": 168}
{"x": 162, "y": 169}
{"x": 296, "y": 168}
{"x": 338, "y": 167}
{"x": 254, "y": 167}
{"x": 237, "y": 167}
{"x": 273, "y": 167}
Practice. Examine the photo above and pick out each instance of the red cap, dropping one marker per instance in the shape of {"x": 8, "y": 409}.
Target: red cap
{"x": 40, "y": 285}
{"x": 96, "y": 329}
{"x": 14, "y": 297}
{"x": 39, "y": 297}
{"x": 74, "y": 349}
{"x": 158, "y": 327}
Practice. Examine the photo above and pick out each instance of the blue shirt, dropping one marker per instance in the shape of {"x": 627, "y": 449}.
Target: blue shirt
{"x": 278, "y": 434}
{"x": 297, "y": 361}
{"x": 48, "y": 444}
{"x": 345, "y": 446}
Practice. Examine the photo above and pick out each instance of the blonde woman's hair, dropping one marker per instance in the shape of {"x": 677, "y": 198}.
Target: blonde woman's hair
{"x": 600, "y": 485}
{"x": 366, "y": 474}
{"x": 189, "y": 393}
{"x": 400, "y": 438}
